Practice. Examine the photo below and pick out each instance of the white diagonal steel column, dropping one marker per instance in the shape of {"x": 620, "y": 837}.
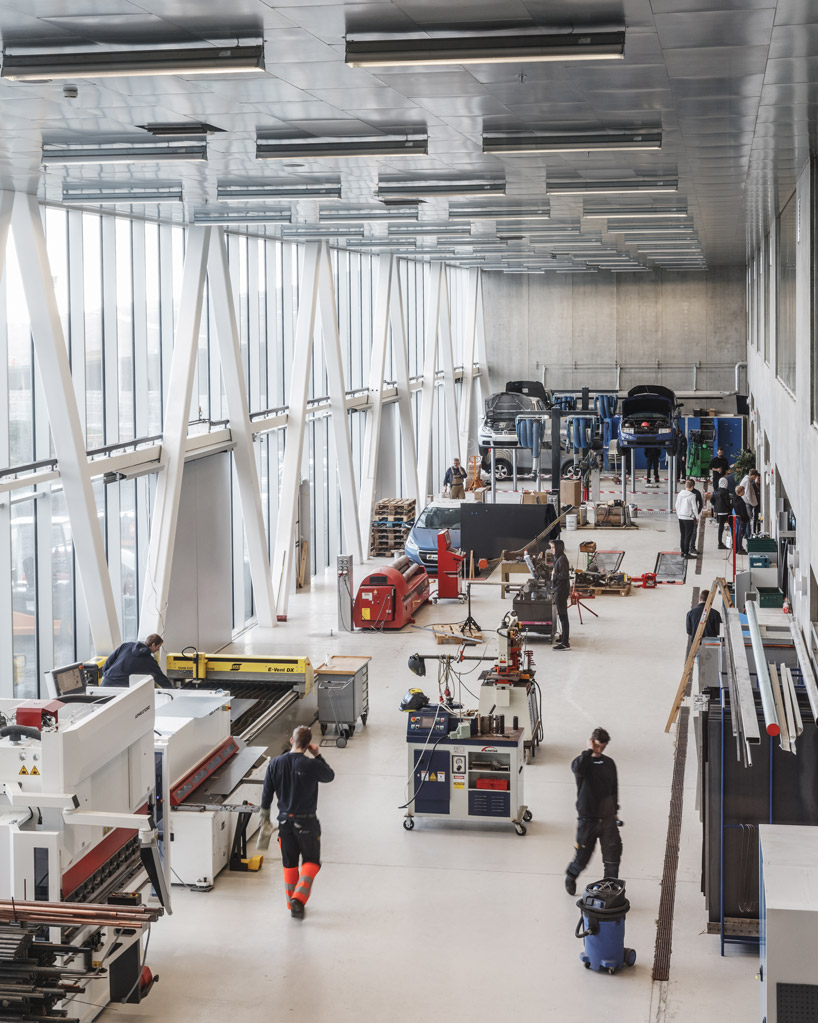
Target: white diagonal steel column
{"x": 283, "y": 558}
{"x": 467, "y": 387}
{"x": 400, "y": 360}
{"x": 427, "y": 398}
{"x": 64, "y": 417}
{"x": 447, "y": 359}
{"x": 374, "y": 415}
{"x": 238, "y": 412}
{"x": 338, "y": 403}
{"x": 174, "y": 436}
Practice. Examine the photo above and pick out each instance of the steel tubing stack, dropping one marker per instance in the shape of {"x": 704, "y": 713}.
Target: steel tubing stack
{"x": 77, "y": 914}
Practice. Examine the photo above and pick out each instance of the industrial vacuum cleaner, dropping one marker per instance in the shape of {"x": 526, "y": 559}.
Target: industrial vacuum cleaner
{"x": 603, "y": 908}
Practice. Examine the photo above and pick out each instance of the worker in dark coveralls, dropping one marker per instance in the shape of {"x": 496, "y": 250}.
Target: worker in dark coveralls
{"x": 597, "y": 795}
{"x": 561, "y": 584}
{"x": 134, "y": 659}
{"x": 294, "y": 777}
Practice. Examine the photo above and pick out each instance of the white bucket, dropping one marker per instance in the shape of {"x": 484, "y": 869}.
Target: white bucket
{"x": 570, "y": 522}
{"x": 634, "y": 511}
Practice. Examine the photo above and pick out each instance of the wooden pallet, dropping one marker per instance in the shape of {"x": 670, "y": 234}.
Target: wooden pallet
{"x": 452, "y": 634}
{"x": 598, "y": 591}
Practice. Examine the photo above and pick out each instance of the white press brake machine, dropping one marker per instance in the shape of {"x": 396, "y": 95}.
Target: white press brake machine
{"x": 78, "y": 849}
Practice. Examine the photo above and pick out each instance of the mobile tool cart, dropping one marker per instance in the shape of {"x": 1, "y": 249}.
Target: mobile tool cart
{"x": 342, "y": 683}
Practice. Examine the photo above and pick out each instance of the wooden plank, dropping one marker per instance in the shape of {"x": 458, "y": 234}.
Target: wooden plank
{"x": 687, "y": 671}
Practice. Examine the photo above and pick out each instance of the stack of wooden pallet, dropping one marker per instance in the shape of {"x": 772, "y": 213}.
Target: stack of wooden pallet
{"x": 391, "y": 522}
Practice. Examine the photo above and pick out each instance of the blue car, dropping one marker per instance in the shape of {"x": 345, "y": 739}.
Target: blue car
{"x": 650, "y": 418}
{"x": 421, "y": 544}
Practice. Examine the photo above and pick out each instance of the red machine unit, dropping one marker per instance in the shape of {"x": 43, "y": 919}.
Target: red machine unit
{"x": 448, "y": 567}
{"x": 388, "y": 597}
{"x": 38, "y": 713}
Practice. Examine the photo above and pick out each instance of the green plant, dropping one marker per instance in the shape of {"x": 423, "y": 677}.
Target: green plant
{"x": 745, "y": 460}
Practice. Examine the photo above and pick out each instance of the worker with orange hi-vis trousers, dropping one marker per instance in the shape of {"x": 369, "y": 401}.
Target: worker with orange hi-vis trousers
{"x": 294, "y": 778}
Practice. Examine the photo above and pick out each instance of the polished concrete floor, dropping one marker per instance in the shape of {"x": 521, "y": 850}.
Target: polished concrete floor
{"x": 464, "y": 922}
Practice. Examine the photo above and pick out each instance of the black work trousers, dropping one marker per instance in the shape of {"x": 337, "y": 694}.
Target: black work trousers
{"x": 589, "y": 829}
{"x": 561, "y": 603}
{"x": 652, "y": 462}
{"x": 724, "y": 521}
{"x": 299, "y": 837}
{"x": 687, "y": 532}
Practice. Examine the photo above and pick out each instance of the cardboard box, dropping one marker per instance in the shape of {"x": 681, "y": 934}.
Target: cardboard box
{"x": 571, "y": 492}
{"x": 535, "y": 497}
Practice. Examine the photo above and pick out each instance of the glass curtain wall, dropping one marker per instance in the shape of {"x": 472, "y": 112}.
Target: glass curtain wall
{"x": 118, "y": 289}
{"x": 785, "y": 308}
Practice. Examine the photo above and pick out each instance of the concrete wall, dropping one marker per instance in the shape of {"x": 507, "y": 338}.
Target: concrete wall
{"x": 785, "y": 419}
{"x": 200, "y": 602}
{"x": 578, "y": 327}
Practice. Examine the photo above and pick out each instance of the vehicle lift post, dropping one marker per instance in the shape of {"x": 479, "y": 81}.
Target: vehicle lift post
{"x": 556, "y": 452}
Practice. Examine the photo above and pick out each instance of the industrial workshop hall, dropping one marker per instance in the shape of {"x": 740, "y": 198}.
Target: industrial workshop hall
{"x": 408, "y": 501}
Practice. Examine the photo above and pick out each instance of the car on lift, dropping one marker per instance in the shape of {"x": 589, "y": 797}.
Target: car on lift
{"x": 499, "y": 427}
{"x": 421, "y": 543}
{"x": 649, "y": 418}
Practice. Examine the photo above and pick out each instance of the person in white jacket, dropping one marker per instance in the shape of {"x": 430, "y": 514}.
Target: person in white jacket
{"x": 687, "y": 511}
{"x": 750, "y": 484}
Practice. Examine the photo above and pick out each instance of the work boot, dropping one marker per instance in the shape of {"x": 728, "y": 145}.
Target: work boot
{"x": 570, "y": 884}
{"x": 297, "y": 909}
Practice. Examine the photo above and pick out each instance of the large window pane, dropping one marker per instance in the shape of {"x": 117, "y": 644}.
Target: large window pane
{"x": 785, "y": 325}
{"x": 24, "y": 598}
{"x": 20, "y": 366}
{"x": 94, "y": 369}
{"x": 62, "y": 567}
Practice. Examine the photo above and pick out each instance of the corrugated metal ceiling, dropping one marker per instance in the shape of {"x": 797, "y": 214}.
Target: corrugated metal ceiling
{"x": 733, "y": 84}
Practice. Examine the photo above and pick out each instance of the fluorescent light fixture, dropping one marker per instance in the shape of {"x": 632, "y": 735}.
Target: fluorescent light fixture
{"x": 499, "y": 213}
{"x": 510, "y": 143}
{"x": 238, "y": 217}
{"x": 425, "y": 189}
{"x": 245, "y": 193}
{"x": 133, "y": 194}
{"x": 579, "y": 270}
{"x": 313, "y": 231}
{"x": 637, "y": 230}
{"x": 117, "y": 153}
{"x": 316, "y": 149}
{"x": 426, "y": 228}
{"x": 25, "y": 66}
{"x": 180, "y": 129}
{"x": 612, "y": 187}
{"x": 483, "y": 48}
{"x": 630, "y": 269}
{"x": 368, "y": 216}
{"x": 381, "y": 243}
{"x": 633, "y": 212}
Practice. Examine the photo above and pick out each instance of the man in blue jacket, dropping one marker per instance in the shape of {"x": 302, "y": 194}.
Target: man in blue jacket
{"x": 134, "y": 659}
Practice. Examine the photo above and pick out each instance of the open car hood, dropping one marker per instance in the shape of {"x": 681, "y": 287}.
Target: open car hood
{"x": 644, "y": 403}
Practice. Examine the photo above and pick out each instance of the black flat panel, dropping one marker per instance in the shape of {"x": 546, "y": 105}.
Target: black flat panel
{"x": 490, "y": 529}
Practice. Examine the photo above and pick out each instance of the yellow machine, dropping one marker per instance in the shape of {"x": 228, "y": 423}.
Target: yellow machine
{"x": 296, "y": 672}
